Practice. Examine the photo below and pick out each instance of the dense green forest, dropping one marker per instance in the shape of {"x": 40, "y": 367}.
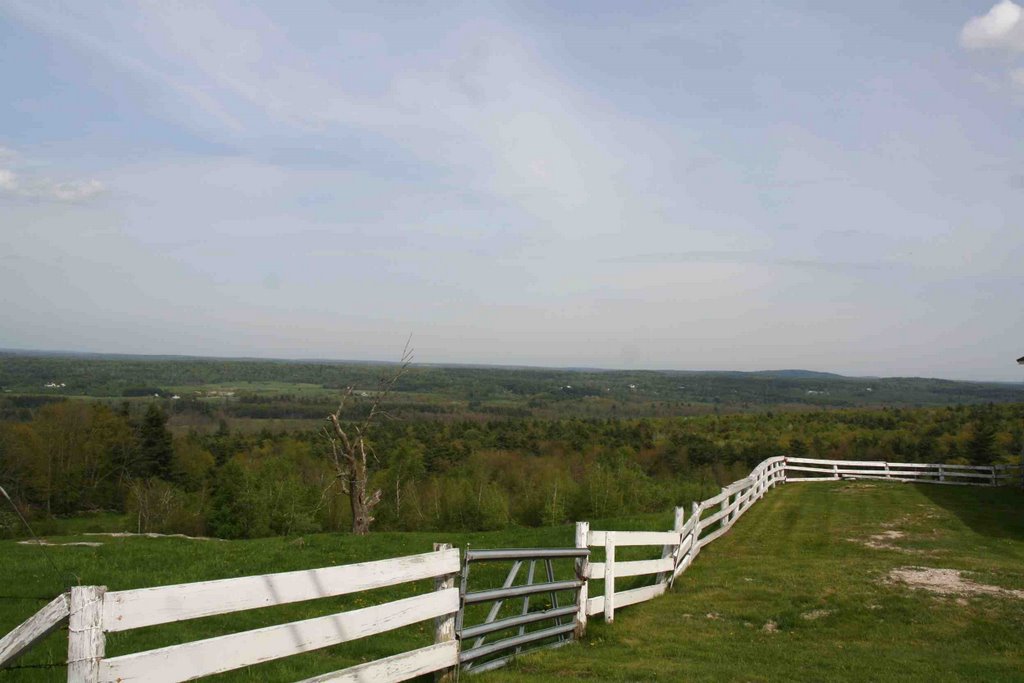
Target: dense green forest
{"x": 183, "y": 464}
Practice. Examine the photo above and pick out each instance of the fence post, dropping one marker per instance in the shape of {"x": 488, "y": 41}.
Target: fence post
{"x": 992, "y": 469}
{"x": 86, "y": 641}
{"x": 609, "y": 577}
{"x": 835, "y": 471}
{"x": 444, "y": 625}
{"x": 887, "y": 475}
{"x": 582, "y": 570}
{"x": 724, "y": 522}
{"x": 942, "y": 473}
{"x": 673, "y": 550}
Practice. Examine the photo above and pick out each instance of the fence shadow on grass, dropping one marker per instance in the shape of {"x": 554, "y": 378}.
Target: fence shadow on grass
{"x": 994, "y": 512}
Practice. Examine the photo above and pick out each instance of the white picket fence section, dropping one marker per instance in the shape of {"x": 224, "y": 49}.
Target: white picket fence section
{"x": 92, "y": 611}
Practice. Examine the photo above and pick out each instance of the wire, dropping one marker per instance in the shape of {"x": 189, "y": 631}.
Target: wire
{"x": 56, "y": 572}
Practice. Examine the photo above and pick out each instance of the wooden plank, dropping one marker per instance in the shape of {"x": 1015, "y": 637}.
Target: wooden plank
{"x": 609, "y": 576}
{"x": 124, "y": 610}
{"x": 597, "y": 538}
{"x": 400, "y": 667}
{"x": 708, "y": 521}
{"x": 642, "y": 567}
{"x": 444, "y": 628}
{"x": 582, "y": 571}
{"x": 631, "y": 597}
{"x": 670, "y": 551}
{"x": 86, "y": 643}
{"x": 712, "y": 536}
{"x": 714, "y": 500}
{"x": 802, "y": 468}
{"x": 34, "y": 629}
{"x": 225, "y": 653}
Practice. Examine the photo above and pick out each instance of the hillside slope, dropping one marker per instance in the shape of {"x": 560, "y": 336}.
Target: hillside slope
{"x": 803, "y": 589}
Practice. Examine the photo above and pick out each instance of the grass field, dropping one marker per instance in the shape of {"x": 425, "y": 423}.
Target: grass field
{"x": 796, "y": 591}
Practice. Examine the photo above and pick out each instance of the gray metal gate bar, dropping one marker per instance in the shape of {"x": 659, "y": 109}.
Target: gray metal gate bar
{"x": 483, "y": 651}
{"x": 519, "y": 591}
{"x": 512, "y": 622}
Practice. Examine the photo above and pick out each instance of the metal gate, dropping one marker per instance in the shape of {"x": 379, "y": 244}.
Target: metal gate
{"x": 514, "y": 628}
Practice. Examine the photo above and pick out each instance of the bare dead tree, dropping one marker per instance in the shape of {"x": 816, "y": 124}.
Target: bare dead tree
{"x": 351, "y": 450}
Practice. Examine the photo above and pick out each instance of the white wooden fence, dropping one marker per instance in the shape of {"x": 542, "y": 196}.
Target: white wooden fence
{"x": 679, "y": 546}
{"x": 991, "y": 475}
{"x": 92, "y": 611}
{"x": 711, "y": 518}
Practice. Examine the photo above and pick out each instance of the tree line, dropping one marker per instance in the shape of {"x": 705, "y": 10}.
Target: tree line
{"x": 76, "y": 456}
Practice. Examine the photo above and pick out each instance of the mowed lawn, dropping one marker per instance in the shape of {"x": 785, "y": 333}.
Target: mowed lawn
{"x": 28, "y": 581}
{"x": 798, "y": 591}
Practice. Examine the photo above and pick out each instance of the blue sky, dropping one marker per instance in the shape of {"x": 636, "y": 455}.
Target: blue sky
{"x": 730, "y": 185}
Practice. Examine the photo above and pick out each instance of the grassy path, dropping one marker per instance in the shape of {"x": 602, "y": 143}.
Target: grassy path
{"x": 794, "y": 592}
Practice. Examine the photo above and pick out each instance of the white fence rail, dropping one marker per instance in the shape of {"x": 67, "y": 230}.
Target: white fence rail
{"x": 711, "y": 518}
{"x": 92, "y": 611}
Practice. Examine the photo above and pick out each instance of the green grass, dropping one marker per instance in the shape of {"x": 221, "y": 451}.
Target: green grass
{"x": 800, "y": 550}
{"x": 28, "y": 581}
{"x": 790, "y": 555}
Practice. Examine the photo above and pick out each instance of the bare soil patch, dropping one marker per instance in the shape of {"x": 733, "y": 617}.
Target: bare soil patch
{"x": 948, "y": 582}
{"x": 815, "y": 614}
{"x": 43, "y": 541}
{"x": 129, "y": 534}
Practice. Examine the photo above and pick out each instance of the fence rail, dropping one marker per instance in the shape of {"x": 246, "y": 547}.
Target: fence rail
{"x": 91, "y": 611}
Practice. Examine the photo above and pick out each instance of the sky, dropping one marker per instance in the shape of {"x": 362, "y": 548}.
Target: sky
{"x": 689, "y": 185}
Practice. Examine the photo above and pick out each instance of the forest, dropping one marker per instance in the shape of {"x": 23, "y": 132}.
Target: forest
{"x": 196, "y": 464}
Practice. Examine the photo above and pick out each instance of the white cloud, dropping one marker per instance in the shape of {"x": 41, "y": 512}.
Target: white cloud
{"x": 12, "y": 183}
{"x": 1002, "y": 28}
{"x": 8, "y": 180}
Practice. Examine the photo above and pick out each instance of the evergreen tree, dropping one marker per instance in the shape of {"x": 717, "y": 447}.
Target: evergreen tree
{"x": 981, "y": 450}
{"x": 155, "y": 444}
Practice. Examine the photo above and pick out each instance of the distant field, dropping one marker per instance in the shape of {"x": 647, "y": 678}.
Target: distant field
{"x": 281, "y": 389}
{"x": 798, "y": 590}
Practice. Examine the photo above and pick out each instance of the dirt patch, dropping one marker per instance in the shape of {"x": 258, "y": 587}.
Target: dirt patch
{"x": 43, "y": 541}
{"x": 713, "y": 616}
{"x": 129, "y": 534}
{"x": 947, "y": 582}
{"x": 816, "y": 614}
{"x": 854, "y": 488}
{"x": 883, "y": 541}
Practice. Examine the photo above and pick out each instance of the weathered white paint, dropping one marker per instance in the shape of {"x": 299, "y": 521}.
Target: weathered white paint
{"x": 444, "y": 625}
{"x": 233, "y": 651}
{"x": 34, "y": 629}
{"x": 597, "y": 538}
{"x": 632, "y": 568}
{"x": 609, "y": 575}
{"x": 123, "y": 610}
{"x": 671, "y": 550}
{"x": 582, "y": 571}
{"x": 86, "y": 643}
{"x": 400, "y": 667}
